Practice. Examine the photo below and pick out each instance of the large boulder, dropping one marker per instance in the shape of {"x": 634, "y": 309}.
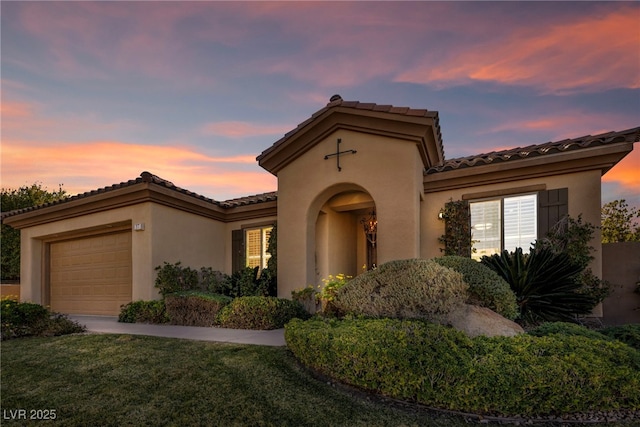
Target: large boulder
{"x": 474, "y": 320}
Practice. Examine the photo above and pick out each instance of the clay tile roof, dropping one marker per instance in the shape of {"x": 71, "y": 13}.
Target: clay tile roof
{"x": 629, "y": 135}
{"x": 250, "y": 200}
{"x": 147, "y": 177}
{"x": 337, "y": 101}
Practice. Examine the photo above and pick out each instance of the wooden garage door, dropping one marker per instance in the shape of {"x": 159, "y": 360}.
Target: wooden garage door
{"x": 91, "y": 275}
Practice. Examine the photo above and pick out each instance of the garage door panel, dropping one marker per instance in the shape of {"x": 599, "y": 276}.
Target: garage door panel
{"x": 91, "y": 275}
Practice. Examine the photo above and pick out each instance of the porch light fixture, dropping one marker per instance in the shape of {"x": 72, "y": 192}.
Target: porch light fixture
{"x": 370, "y": 226}
{"x": 441, "y": 214}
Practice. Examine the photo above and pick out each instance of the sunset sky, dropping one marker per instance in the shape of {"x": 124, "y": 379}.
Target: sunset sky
{"x": 95, "y": 93}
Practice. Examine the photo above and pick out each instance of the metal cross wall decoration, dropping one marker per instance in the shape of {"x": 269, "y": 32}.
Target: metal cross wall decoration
{"x": 338, "y": 152}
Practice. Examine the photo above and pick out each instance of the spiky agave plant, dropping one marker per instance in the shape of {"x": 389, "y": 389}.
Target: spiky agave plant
{"x": 544, "y": 283}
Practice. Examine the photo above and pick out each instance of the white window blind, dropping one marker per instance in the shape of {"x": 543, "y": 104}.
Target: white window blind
{"x": 520, "y": 222}
{"x": 485, "y": 228}
{"x": 254, "y": 247}
{"x": 257, "y": 242}
{"x": 503, "y": 224}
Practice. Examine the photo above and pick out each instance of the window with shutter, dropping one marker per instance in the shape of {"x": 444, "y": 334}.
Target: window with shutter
{"x": 503, "y": 224}
{"x": 256, "y": 245}
{"x": 553, "y": 205}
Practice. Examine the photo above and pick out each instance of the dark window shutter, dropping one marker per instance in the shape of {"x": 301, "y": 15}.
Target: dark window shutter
{"x": 553, "y": 205}
{"x": 237, "y": 250}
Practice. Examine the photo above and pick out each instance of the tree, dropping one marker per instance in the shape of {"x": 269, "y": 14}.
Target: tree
{"x": 12, "y": 199}
{"x": 620, "y": 222}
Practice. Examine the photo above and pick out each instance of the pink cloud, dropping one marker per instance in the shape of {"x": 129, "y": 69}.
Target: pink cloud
{"x": 15, "y": 110}
{"x": 90, "y": 165}
{"x": 593, "y": 52}
{"x": 238, "y": 129}
{"x": 26, "y": 121}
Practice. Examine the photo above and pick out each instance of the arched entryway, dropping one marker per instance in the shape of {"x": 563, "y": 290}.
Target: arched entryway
{"x": 345, "y": 234}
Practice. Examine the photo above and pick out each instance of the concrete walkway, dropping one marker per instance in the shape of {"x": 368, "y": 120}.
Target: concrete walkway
{"x": 110, "y": 325}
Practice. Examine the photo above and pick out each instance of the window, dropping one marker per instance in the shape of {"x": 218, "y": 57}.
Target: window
{"x": 256, "y": 244}
{"x": 503, "y": 224}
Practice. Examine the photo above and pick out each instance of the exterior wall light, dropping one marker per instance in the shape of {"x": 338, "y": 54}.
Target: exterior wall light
{"x": 370, "y": 226}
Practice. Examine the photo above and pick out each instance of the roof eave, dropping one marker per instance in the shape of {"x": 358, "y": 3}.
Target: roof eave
{"x": 600, "y": 158}
{"x": 423, "y": 130}
{"x": 137, "y": 193}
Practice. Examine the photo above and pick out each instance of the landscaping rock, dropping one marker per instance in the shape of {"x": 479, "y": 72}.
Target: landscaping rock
{"x": 474, "y": 320}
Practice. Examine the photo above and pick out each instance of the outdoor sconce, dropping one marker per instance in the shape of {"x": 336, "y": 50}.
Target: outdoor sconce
{"x": 441, "y": 214}
{"x": 370, "y": 226}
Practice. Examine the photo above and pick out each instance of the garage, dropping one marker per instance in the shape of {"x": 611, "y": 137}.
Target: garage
{"x": 90, "y": 275}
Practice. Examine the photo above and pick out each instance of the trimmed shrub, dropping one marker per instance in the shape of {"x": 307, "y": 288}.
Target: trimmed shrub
{"x": 486, "y": 288}
{"x": 566, "y": 329}
{"x": 143, "y": 312}
{"x": 174, "y": 278}
{"x": 410, "y": 288}
{"x": 439, "y": 366}
{"x": 21, "y": 319}
{"x": 193, "y": 308}
{"x": 262, "y": 313}
{"x": 628, "y": 334}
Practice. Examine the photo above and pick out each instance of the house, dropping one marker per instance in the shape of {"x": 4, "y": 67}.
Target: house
{"x": 358, "y": 184}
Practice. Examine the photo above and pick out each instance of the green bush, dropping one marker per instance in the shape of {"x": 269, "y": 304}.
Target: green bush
{"x": 628, "y": 334}
{"x": 411, "y": 288}
{"x": 486, "y": 288}
{"x": 194, "y": 308}
{"x": 545, "y": 283}
{"x": 565, "y": 328}
{"x": 143, "y": 312}
{"x": 174, "y": 278}
{"x": 440, "y": 367}
{"x": 329, "y": 289}
{"x": 252, "y": 282}
{"x": 21, "y": 319}
{"x": 255, "y": 312}
{"x": 213, "y": 281}
{"x": 573, "y": 237}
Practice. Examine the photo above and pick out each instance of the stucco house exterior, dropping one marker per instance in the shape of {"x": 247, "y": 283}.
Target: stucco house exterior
{"x": 358, "y": 184}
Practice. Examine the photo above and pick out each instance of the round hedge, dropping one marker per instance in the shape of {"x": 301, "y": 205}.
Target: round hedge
{"x": 439, "y": 366}
{"x": 486, "y": 287}
{"x": 405, "y": 289}
{"x": 260, "y": 313}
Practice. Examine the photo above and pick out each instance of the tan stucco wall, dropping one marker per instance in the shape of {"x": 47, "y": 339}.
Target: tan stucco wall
{"x": 389, "y": 170}
{"x": 193, "y": 240}
{"x": 169, "y": 235}
{"x": 584, "y": 198}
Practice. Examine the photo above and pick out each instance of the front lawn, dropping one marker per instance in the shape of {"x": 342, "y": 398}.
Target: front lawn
{"x": 121, "y": 380}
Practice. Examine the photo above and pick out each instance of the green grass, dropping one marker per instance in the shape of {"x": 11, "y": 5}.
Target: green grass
{"x": 123, "y": 380}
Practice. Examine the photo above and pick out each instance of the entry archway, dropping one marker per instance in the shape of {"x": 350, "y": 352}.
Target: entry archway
{"x": 341, "y": 244}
